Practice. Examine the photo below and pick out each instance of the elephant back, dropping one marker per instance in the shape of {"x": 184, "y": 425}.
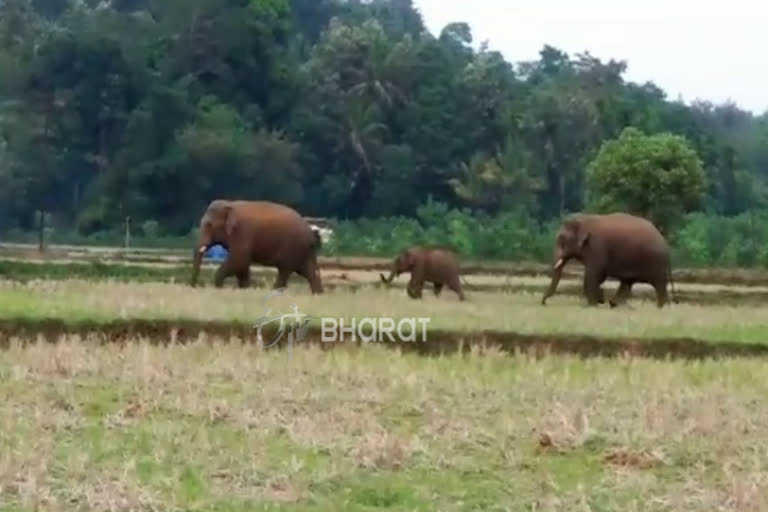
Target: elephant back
{"x": 278, "y": 232}
{"x": 441, "y": 261}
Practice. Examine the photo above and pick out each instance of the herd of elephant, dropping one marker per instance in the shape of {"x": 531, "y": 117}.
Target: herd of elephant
{"x": 618, "y": 245}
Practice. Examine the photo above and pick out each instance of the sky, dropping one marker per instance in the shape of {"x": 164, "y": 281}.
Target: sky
{"x": 692, "y": 49}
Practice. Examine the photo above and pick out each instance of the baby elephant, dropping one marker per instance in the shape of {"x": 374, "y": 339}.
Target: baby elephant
{"x": 434, "y": 264}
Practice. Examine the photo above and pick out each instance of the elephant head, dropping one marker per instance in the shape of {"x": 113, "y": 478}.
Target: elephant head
{"x": 570, "y": 243}
{"x": 402, "y": 263}
{"x": 215, "y": 226}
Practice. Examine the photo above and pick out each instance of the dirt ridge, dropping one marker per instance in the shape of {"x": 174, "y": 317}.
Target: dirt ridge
{"x": 438, "y": 342}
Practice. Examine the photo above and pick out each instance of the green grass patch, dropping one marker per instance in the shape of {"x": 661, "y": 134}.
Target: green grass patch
{"x": 102, "y": 304}
{"x": 97, "y": 270}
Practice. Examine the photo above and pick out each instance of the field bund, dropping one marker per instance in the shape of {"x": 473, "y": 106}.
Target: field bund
{"x": 114, "y": 295}
{"x": 111, "y": 311}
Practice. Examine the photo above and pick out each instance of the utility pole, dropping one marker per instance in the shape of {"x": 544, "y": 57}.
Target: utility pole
{"x": 40, "y": 230}
{"x": 127, "y": 232}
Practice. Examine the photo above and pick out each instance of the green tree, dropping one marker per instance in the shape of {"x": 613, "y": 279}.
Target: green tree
{"x": 342, "y": 108}
{"x": 354, "y": 90}
{"x": 659, "y": 177}
{"x": 561, "y": 123}
{"x": 507, "y": 181}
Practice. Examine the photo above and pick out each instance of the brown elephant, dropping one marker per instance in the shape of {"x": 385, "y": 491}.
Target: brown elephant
{"x": 617, "y": 245}
{"x": 437, "y": 265}
{"x": 259, "y": 232}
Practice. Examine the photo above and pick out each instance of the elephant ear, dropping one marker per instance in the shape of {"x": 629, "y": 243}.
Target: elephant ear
{"x": 417, "y": 264}
{"x": 409, "y": 260}
{"x": 232, "y": 222}
{"x": 584, "y": 236}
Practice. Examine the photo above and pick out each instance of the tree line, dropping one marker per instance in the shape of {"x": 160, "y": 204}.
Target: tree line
{"x": 149, "y": 109}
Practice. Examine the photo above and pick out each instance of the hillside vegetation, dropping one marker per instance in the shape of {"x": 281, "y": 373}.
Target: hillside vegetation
{"x": 147, "y": 110}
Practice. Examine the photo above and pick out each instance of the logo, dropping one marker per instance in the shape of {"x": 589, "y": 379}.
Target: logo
{"x": 296, "y": 322}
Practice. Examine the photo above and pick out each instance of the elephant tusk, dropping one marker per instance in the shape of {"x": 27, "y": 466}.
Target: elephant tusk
{"x": 559, "y": 264}
{"x": 202, "y": 249}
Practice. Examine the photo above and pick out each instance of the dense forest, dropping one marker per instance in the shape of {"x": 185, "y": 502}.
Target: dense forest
{"x": 351, "y": 110}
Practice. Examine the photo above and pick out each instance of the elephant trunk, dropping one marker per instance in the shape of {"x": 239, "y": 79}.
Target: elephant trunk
{"x": 387, "y": 280}
{"x": 197, "y": 260}
{"x": 557, "y": 273}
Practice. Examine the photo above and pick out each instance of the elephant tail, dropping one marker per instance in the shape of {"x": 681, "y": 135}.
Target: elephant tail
{"x": 318, "y": 239}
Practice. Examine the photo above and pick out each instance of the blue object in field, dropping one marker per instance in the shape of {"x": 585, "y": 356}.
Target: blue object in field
{"x": 216, "y": 253}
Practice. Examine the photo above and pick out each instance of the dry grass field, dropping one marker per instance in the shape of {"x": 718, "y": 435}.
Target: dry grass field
{"x": 141, "y": 426}
{"x": 238, "y": 427}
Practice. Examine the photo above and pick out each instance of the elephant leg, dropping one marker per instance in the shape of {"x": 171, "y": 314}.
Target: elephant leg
{"x": 311, "y": 272}
{"x": 237, "y": 264}
{"x": 282, "y": 278}
{"x": 593, "y": 279}
{"x": 244, "y": 278}
{"x": 622, "y": 294}
{"x": 455, "y": 285}
{"x": 661, "y": 292}
{"x": 413, "y": 291}
{"x": 223, "y": 272}
{"x": 600, "y": 295}
{"x": 418, "y": 276}
{"x": 415, "y": 285}
{"x": 438, "y": 287}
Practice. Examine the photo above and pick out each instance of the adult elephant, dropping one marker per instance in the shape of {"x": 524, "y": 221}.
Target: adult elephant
{"x": 436, "y": 265}
{"x": 259, "y": 232}
{"x": 617, "y": 245}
